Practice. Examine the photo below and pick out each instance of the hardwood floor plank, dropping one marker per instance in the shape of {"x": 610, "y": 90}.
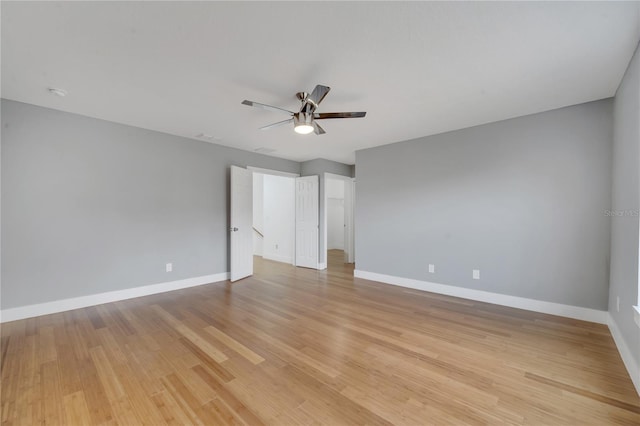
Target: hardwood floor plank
{"x": 237, "y": 407}
{"x": 51, "y": 393}
{"x": 94, "y": 316}
{"x": 67, "y": 362}
{"x": 235, "y": 345}
{"x": 573, "y": 389}
{"x": 187, "y": 401}
{"x": 211, "y": 364}
{"x": 137, "y": 397}
{"x": 47, "y": 345}
{"x": 76, "y": 409}
{"x": 191, "y": 335}
{"x": 108, "y": 377}
{"x": 4, "y": 346}
{"x": 97, "y": 401}
{"x": 172, "y": 413}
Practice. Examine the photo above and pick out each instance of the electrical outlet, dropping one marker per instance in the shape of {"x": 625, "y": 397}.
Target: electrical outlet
{"x": 618, "y": 304}
{"x": 476, "y": 274}
{"x": 169, "y": 267}
{"x": 432, "y": 268}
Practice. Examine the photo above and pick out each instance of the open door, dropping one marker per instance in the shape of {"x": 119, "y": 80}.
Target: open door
{"x": 241, "y": 223}
{"x": 307, "y": 198}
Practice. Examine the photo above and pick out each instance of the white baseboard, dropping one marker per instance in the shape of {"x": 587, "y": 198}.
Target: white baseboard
{"x": 577, "y": 312}
{"x": 55, "y": 306}
{"x": 322, "y": 266}
{"x": 625, "y": 353}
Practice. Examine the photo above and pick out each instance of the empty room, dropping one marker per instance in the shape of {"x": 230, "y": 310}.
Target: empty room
{"x": 337, "y": 213}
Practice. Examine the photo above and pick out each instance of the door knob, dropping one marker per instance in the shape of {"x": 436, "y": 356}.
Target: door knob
{"x": 234, "y": 229}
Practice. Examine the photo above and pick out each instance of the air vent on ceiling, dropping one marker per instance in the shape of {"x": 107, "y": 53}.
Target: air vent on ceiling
{"x": 263, "y": 150}
{"x": 58, "y": 92}
{"x": 207, "y": 137}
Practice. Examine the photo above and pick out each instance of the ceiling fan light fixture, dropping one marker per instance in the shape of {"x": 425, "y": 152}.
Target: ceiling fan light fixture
{"x": 303, "y": 129}
{"x": 302, "y": 123}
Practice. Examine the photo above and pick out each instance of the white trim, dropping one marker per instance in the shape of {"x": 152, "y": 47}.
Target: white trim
{"x": 577, "y": 312}
{"x": 625, "y": 353}
{"x": 325, "y": 226}
{"x": 335, "y": 176}
{"x": 636, "y": 314}
{"x": 272, "y": 172}
{"x": 322, "y": 266}
{"x": 55, "y": 306}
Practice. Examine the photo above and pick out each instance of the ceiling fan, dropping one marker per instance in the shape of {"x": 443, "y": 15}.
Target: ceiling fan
{"x": 304, "y": 121}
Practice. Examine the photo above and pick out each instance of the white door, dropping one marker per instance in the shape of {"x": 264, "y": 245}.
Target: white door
{"x": 241, "y": 223}
{"x": 307, "y": 197}
{"x": 349, "y": 197}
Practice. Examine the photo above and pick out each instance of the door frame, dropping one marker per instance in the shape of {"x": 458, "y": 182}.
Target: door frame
{"x": 280, "y": 173}
{"x": 272, "y": 172}
{"x": 349, "y": 221}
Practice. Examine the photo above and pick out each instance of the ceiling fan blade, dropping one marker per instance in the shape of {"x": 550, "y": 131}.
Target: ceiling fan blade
{"x": 317, "y": 129}
{"x": 265, "y": 106}
{"x": 324, "y": 115}
{"x": 279, "y": 123}
{"x": 318, "y": 94}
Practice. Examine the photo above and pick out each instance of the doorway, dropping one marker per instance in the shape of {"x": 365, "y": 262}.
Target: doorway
{"x": 274, "y": 215}
{"x": 338, "y": 212}
{"x": 286, "y": 213}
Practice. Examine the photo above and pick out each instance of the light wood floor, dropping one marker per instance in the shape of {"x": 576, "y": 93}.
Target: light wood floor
{"x": 297, "y": 346}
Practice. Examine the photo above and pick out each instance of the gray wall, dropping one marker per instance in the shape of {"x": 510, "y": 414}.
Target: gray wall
{"x": 90, "y": 206}
{"x": 319, "y": 167}
{"x": 626, "y": 198}
{"x": 522, "y": 200}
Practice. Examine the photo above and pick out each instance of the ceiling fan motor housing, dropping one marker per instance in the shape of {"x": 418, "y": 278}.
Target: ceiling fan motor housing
{"x": 308, "y": 104}
{"x": 302, "y": 118}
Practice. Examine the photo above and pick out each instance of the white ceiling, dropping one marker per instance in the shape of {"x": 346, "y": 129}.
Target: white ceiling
{"x": 416, "y": 68}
